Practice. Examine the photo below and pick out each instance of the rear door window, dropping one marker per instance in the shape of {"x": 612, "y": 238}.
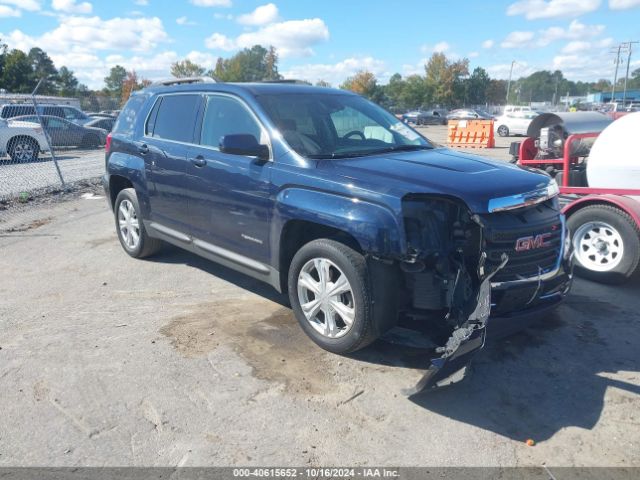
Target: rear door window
{"x": 176, "y": 118}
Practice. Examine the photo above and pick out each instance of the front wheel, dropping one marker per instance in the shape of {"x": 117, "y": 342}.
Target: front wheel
{"x": 330, "y": 296}
{"x": 606, "y": 242}
{"x": 24, "y": 149}
{"x": 503, "y": 131}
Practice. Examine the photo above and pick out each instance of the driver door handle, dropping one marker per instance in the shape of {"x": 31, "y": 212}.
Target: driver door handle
{"x": 199, "y": 161}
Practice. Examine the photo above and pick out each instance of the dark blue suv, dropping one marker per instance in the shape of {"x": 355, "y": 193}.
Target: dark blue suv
{"x": 324, "y": 195}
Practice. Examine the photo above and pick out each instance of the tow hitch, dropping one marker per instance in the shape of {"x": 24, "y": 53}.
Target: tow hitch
{"x": 465, "y": 340}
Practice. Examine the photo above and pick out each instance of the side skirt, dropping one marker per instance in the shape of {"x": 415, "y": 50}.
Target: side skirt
{"x": 222, "y": 256}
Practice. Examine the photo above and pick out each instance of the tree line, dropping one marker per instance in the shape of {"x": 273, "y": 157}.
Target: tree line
{"x": 444, "y": 83}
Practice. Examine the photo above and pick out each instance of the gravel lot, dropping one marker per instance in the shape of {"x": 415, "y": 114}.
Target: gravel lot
{"x": 107, "y": 360}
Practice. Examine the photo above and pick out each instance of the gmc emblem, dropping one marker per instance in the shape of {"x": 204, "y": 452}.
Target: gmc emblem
{"x": 532, "y": 242}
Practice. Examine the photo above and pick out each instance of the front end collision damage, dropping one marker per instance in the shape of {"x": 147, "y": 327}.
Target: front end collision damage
{"x": 449, "y": 280}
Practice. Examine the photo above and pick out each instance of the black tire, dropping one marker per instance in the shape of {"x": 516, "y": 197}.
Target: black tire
{"x": 628, "y": 231}
{"x": 147, "y": 245}
{"x": 354, "y": 266}
{"x": 503, "y": 131}
{"x": 23, "y": 149}
{"x": 90, "y": 141}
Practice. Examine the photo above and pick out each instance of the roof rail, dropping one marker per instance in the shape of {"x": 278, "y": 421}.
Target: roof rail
{"x": 287, "y": 80}
{"x": 179, "y": 81}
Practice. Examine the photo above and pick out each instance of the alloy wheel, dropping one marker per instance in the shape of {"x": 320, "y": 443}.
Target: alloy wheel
{"x": 326, "y": 297}
{"x": 128, "y": 224}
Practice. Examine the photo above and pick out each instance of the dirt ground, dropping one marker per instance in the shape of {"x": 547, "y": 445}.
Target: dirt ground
{"x": 110, "y": 361}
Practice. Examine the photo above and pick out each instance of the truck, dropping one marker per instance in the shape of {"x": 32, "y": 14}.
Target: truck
{"x": 360, "y": 220}
{"x": 595, "y": 162}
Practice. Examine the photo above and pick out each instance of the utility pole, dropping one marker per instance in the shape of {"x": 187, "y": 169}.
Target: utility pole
{"x": 509, "y": 83}
{"x": 626, "y": 77}
{"x": 615, "y": 76}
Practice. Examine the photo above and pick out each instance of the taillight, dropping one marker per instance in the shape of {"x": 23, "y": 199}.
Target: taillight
{"x": 107, "y": 144}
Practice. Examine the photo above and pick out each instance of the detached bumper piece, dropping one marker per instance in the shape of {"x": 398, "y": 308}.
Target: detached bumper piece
{"x": 465, "y": 341}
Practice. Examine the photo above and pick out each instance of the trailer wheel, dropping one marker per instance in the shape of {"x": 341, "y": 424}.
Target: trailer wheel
{"x": 606, "y": 242}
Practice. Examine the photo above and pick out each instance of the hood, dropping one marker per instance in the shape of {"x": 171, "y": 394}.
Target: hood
{"x": 473, "y": 179}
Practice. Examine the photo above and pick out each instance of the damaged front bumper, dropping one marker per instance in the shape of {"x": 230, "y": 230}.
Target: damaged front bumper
{"x": 465, "y": 341}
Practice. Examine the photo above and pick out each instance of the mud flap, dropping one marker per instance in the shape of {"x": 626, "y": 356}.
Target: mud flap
{"x": 465, "y": 341}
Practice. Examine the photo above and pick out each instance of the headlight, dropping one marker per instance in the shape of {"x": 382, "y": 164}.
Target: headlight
{"x": 552, "y": 188}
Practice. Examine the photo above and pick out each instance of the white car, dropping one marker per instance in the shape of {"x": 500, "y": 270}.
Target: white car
{"x": 515, "y": 123}
{"x": 22, "y": 141}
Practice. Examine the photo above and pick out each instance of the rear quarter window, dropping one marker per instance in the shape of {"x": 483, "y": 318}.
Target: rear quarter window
{"x": 126, "y": 121}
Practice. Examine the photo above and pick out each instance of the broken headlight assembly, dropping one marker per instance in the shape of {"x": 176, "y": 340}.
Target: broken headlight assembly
{"x": 448, "y": 280}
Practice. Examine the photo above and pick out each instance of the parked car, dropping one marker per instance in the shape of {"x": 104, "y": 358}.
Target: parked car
{"x": 469, "y": 114}
{"x": 515, "y": 123}
{"x": 63, "y": 133}
{"x": 516, "y": 108}
{"x": 426, "y": 117}
{"x": 22, "y": 143}
{"x": 63, "y": 111}
{"x": 105, "y": 123}
{"x": 326, "y": 196}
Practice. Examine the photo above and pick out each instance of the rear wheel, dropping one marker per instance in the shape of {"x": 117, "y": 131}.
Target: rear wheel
{"x": 606, "y": 242}
{"x": 330, "y": 296}
{"x": 90, "y": 141}
{"x": 503, "y": 131}
{"x": 23, "y": 149}
{"x": 131, "y": 232}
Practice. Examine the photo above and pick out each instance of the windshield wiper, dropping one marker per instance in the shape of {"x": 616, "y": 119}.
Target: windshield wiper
{"x": 364, "y": 153}
{"x": 401, "y": 148}
{"x": 323, "y": 156}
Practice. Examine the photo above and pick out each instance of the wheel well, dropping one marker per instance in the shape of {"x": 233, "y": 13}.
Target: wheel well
{"x": 116, "y": 185}
{"x": 297, "y": 233}
{"x": 17, "y": 138}
{"x": 596, "y": 202}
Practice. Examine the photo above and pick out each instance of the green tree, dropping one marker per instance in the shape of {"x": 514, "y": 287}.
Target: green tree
{"x": 16, "y": 72}
{"x": 478, "y": 84}
{"x": 271, "y": 65}
{"x": 115, "y": 80}
{"x": 445, "y": 80}
{"x": 415, "y": 93}
{"x": 186, "y": 68}
{"x": 364, "y": 83}
{"x": 393, "y": 91}
{"x": 3, "y": 54}
{"x": 66, "y": 82}
{"x": 249, "y": 65}
{"x": 42, "y": 68}
{"x": 496, "y": 92}
{"x": 322, "y": 83}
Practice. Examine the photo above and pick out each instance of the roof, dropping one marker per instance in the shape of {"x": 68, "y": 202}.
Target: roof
{"x": 255, "y": 89}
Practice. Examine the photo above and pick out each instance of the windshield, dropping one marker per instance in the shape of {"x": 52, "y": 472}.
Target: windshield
{"x": 338, "y": 126}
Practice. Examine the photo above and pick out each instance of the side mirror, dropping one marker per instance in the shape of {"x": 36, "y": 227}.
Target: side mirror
{"x": 243, "y": 144}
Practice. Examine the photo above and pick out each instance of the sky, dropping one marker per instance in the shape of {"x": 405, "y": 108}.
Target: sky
{"x": 327, "y": 39}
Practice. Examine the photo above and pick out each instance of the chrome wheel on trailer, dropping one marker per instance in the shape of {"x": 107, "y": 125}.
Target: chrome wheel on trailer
{"x": 326, "y": 298}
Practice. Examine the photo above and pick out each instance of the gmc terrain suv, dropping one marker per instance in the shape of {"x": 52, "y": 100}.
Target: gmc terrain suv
{"x": 330, "y": 198}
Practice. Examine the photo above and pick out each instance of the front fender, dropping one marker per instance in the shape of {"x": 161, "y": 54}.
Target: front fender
{"x": 375, "y": 227}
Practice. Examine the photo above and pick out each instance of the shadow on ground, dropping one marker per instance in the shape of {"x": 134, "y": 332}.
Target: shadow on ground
{"x": 551, "y": 375}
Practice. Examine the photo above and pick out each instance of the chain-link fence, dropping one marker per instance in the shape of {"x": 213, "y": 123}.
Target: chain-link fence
{"x": 48, "y": 145}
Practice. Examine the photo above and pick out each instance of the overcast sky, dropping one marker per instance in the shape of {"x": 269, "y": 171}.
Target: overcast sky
{"x": 326, "y": 39}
